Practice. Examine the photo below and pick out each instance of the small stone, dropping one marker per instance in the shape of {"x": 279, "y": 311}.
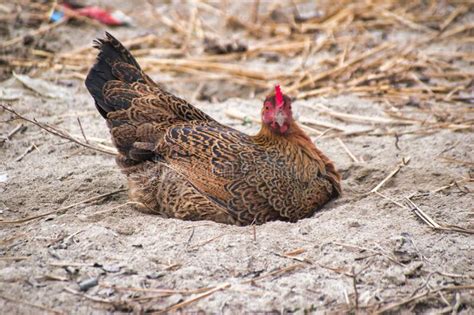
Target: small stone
{"x": 354, "y": 224}
{"x": 129, "y": 272}
{"x": 125, "y": 230}
{"x": 111, "y": 268}
{"x": 395, "y": 275}
{"x": 155, "y": 275}
{"x": 71, "y": 270}
{"x": 413, "y": 269}
{"x": 88, "y": 283}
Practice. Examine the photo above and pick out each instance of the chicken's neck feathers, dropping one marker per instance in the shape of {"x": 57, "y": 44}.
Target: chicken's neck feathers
{"x": 296, "y": 143}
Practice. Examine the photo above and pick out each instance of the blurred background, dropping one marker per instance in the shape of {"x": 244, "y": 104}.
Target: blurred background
{"x": 404, "y": 52}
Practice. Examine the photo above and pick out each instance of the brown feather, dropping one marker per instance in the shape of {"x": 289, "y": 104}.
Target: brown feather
{"x": 182, "y": 163}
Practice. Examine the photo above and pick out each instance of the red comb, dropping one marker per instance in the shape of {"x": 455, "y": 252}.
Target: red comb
{"x": 278, "y": 96}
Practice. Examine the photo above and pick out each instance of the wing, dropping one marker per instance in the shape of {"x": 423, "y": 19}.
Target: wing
{"x": 228, "y": 167}
{"x": 208, "y": 154}
{"x": 256, "y": 183}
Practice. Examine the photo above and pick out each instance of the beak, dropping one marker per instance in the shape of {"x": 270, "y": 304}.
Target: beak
{"x": 280, "y": 118}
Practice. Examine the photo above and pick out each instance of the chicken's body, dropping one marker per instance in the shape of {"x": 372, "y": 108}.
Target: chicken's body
{"x": 182, "y": 163}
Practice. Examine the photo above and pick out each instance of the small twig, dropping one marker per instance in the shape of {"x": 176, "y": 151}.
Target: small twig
{"x": 192, "y": 300}
{"x": 162, "y": 292}
{"x": 23, "y": 301}
{"x": 70, "y": 264}
{"x": 403, "y": 163}
{"x": 424, "y": 285}
{"x": 54, "y": 277}
{"x": 14, "y": 258}
{"x": 190, "y": 237}
{"x": 421, "y": 296}
{"x": 379, "y": 252}
{"x": 275, "y": 272}
{"x": 63, "y": 208}
{"x": 453, "y": 183}
{"x": 43, "y": 29}
{"x": 343, "y": 145}
{"x": 207, "y": 241}
{"x": 405, "y": 21}
{"x": 82, "y": 130}
{"x": 304, "y": 260}
{"x": 336, "y": 270}
{"x": 422, "y": 215}
{"x": 295, "y": 252}
{"x": 28, "y": 150}
{"x": 425, "y": 218}
{"x": 67, "y": 239}
{"x": 354, "y": 285}
{"x": 346, "y": 297}
{"x": 459, "y": 10}
{"x": 116, "y": 207}
{"x": 92, "y": 298}
{"x": 452, "y": 160}
{"x": 18, "y": 128}
{"x": 60, "y": 133}
{"x": 255, "y": 7}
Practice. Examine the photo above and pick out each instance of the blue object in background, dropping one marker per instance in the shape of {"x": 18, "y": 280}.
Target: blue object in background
{"x": 56, "y": 16}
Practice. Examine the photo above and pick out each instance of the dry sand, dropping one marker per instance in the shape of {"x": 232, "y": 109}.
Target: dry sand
{"x": 392, "y": 249}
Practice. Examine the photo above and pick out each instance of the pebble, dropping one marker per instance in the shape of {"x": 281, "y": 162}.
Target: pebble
{"x": 88, "y": 283}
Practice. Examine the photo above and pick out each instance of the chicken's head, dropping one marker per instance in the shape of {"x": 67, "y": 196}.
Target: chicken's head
{"x": 276, "y": 112}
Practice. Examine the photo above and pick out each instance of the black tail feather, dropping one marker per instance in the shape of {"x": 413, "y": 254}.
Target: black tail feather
{"x": 112, "y": 54}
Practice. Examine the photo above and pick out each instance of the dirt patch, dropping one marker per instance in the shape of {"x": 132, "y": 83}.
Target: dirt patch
{"x": 364, "y": 252}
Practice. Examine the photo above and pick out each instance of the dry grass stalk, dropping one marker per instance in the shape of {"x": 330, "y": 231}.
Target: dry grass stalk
{"x": 452, "y": 184}
{"x": 62, "y": 209}
{"x": 295, "y": 252}
{"x": 33, "y": 305}
{"x": 403, "y": 163}
{"x": 343, "y": 145}
{"x": 27, "y": 151}
{"x": 61, "y": 133}
{"x": 207, "y": 241}
{"x": 43, "y": 29}
{"x": 377, "y": 252}
{"x": 397, "y": 305}
{"x": 456, "y": 12}
{"x": 161, "y": 292}
{"x": 426, "y": 218}
{"x": 92, "y": 298}
{"x": 13, "y": 258}
{"x": 276, "y": 272}
{"x": 294, "y": 257}
{"x": 453, "y": 160}
{"x": 194, "y": 299}
{"x": 422, "y": 215}
{"x": 387, "y": 69}
{"x": 14, "y": 131}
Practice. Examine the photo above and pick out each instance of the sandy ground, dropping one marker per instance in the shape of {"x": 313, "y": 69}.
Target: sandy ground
{"x": 361, "y": 247}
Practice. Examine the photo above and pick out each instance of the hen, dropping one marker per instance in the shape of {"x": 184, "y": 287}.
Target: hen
{"x": 182, "y": 163}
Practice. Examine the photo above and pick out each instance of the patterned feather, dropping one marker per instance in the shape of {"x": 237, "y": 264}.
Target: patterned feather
{"x": 181, "y": 163}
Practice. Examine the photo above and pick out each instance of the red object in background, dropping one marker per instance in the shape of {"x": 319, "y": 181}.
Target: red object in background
{"x": 110, "y": 18}
{"x": 101, "y": 15}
